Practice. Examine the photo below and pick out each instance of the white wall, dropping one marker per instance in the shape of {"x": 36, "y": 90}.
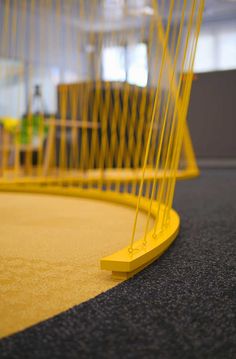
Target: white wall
{"x": 216, "y": 47}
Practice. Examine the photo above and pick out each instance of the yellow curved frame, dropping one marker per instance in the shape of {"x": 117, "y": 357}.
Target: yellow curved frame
{"x": 108, "y": 175}
{"x": 123, "y": 264}
{"x": 96, "y": 176}
{"x": 94, "y": 109}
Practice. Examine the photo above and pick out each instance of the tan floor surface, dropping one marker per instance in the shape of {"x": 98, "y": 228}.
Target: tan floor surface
{"x": 49, "y": 254}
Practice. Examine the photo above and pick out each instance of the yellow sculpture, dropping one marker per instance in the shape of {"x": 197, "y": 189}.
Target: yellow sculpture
{"x": 122, "y": 138}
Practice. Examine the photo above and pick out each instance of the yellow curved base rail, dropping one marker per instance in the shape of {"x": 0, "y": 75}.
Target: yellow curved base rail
{"x": 96, "y": 176}
{"x": 123, "y": 264}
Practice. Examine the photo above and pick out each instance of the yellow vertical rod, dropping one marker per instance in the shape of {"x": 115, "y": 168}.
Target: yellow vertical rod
{"x": 152, "y": 123}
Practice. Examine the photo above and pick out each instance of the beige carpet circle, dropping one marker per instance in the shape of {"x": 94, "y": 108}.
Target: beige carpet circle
{"x": 50, "y": 249}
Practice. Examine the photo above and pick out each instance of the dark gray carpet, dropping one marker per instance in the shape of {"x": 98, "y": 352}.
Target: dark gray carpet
{"x": 182, "y": 306}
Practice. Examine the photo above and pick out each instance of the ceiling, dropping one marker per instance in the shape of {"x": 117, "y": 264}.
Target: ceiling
{"x": 110, "y": 15}
{"x": 216, "y": 10}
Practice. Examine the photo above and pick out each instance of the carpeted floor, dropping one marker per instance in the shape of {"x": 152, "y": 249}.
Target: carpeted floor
{"x": 182, "y": 306}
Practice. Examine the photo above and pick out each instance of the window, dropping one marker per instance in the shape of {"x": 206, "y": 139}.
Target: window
{"x": 227, "y": 51}
{"x": 126, "y": 63}
{"x": 113, "y": 64}
{"x": 216, "y": 49}
{"x": 137, "y": 65}
{"x": 205, "y": 55}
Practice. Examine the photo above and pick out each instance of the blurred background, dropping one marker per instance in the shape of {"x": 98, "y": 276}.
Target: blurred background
{"x": 212, "y": 107}
{"x": 211, "y": 116}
